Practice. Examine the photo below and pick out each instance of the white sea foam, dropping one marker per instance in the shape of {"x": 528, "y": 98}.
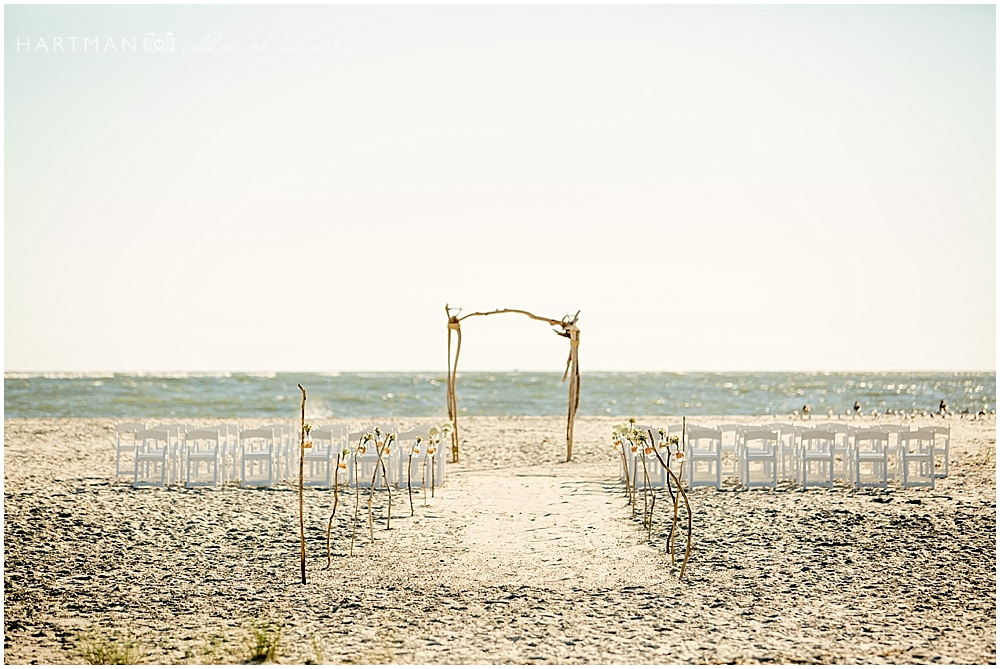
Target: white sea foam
{"x": 181, "y": 375}
{"x": 58, "y": 375}
{"x": 319, "y": 409}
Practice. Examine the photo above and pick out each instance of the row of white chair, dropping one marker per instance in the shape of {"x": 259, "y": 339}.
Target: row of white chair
{"x": 763, "y": 455}
{"x": 197, "y": 456}
{"x": 262, "y": 457}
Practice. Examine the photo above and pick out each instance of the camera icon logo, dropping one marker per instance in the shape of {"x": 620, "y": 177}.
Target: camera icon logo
{"x": 158, "y": 44}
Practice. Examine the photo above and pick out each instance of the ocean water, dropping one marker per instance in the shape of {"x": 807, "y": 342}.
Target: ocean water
{"x": 237, "y": 394}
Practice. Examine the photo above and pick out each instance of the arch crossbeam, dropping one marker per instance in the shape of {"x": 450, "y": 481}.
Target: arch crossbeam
{"x": 564, "y": 327}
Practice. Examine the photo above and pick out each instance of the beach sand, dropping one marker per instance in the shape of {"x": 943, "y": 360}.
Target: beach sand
{"x": 518, "y": 558}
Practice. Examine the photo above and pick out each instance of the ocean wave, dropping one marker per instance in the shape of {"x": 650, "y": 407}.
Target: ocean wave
{"x": 250, "y": 394}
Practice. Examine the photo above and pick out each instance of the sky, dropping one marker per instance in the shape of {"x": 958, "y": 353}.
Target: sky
{"x": 305, "y": 188}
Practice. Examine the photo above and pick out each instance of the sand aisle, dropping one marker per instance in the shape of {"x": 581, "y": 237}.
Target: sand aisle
{"x": 518, "y": 558}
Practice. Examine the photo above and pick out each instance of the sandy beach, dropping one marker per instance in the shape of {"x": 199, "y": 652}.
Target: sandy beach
{"x": 519, "y": 558}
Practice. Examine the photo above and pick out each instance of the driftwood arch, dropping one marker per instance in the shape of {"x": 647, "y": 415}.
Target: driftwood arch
{"x": 565, "y": 327}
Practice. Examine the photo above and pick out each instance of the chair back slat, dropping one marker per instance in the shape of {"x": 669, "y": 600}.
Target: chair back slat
{"x": 129, "y": 427}
{"x": 211, "y": 435}
{"x": 153, "y": 433}
{"x": 754, "y": 433}
{"x": 258, "y": 433}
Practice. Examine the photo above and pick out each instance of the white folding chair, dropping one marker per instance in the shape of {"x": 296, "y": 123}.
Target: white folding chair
{"x": 203, "y": 448}
{"x": 730, "y": 464}
{"x": 125, "y": 443}
{"x": 916, "y": 458}
{"x": 841, "y": 448}
{"x": 892, "y": 432}
{"x": 741, "y": 430}
{"x": 816, "y": 458}
{"x": 787, "y": 445}
{"x": 942, "y": 443}
{"x": 258, "y": 458}
{"x": 175, "y": 454}
{"x": 758, "y": 457}
{"x": 152, "y": 458}
{"x": 704, "y": 447}
{"x": 286, "y": 450}
{"x": 870, "y": 459}
{"x": 229, "y": 439}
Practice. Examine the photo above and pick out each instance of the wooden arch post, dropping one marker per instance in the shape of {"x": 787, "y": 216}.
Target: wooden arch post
{"x": 566, "y": 327}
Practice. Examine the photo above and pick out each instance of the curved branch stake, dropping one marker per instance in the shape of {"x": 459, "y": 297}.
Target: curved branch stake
{"x": 687, "y": 552}
{"x": 329, "y": 524}
{"x": 357, "y": 496}
{"x": 680, "y": 492}
{"x": 302, "y": 520}
{"x": 672, "y": 539}
{"x": 652, "y": 507}
{"x": 673, "y": 533}
{"x": 645, "y": 487}
{"x": 453, "y": 324}
{"x": 628, "y": 492}
{"x": 371, "y": 495}
{"x": 385, "y": 476}
{"x": 409, "y": 488}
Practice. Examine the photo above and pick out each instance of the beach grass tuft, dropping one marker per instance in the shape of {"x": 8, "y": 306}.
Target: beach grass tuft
{"x": 265, "y": 640}
{"x": 102, "y": 648}
{"x": 317, "y": 651}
